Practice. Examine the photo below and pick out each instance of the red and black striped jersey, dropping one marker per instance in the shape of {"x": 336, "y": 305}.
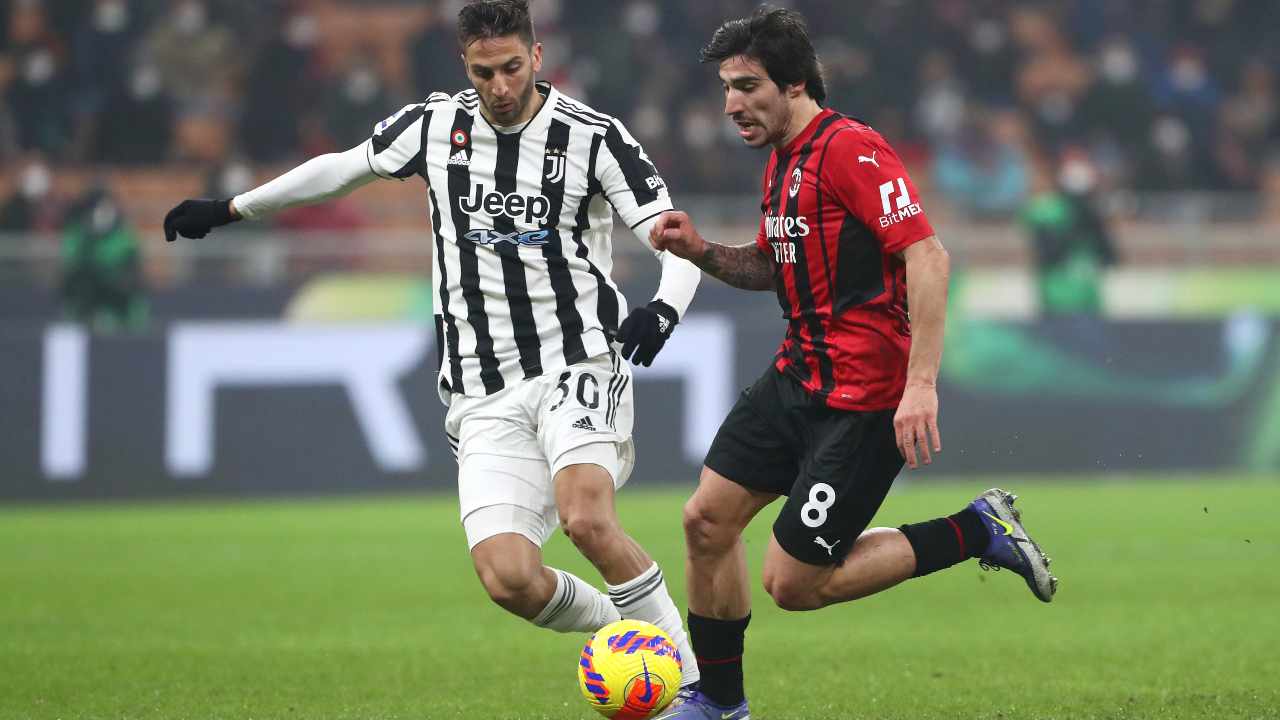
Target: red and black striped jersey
{"x": 837, "y": 207}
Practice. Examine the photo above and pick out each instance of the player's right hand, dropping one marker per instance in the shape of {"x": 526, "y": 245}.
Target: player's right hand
{"x": 674, "y": 232}
{"x": 195, "y": 218}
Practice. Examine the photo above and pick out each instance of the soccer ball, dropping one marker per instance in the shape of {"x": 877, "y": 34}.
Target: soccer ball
{"x": 629, "y": 670}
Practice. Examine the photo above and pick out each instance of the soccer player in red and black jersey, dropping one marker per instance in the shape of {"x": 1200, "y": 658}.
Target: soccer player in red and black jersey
{"x": 851, "y": 392}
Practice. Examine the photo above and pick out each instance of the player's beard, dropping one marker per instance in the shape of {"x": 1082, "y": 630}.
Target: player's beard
{"x": 513, "y": 114}
{"x": 766, "y": 127}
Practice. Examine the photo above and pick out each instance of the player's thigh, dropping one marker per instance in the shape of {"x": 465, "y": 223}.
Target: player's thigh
{"x": 507, "y": 557}
{"x": 783, "y": 574}
{"x": 500, "y": 495}
{"x": 585, "y": 483}
{"x": 500, "y": 465}
{"x": 584, "y": 416}
{"x": 845, "y": 474}
{"x": 720, "y": 509}
{"x": 755, "y": 447}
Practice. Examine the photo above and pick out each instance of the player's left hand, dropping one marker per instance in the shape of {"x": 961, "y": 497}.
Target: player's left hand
{"x": 916, "y": 425}
{"x": 195, "y": 218}
{"x": 646, "y": 330}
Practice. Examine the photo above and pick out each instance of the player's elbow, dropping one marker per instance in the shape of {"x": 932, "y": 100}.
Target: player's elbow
{"x": 942, "y": 259}
{"x": 928, "y": 256}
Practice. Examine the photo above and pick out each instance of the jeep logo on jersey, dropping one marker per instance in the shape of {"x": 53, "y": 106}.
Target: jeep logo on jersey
{"x": 785, "y": 227}
{"x": 532, "y": 209}
{"x": 485, "y": 236}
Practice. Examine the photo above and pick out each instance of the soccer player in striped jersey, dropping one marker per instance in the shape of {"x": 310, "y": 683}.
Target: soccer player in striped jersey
{"x": 521, "y": 182}
{"x": 851, "y": 393}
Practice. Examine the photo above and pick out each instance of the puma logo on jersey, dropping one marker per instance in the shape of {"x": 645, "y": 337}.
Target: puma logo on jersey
{"x": 872, "y": 159}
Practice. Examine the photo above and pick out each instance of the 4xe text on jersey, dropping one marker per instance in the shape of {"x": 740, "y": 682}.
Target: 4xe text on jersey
{"x": 485, "y": 236}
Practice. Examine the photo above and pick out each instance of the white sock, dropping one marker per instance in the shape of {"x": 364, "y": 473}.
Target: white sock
{"x": 575, "y": 606}
{"x": 646, "y": 598}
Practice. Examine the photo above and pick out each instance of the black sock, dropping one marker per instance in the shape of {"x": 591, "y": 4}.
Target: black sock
{"x": 718, "y": 645}
{"x": 946, "y": 541}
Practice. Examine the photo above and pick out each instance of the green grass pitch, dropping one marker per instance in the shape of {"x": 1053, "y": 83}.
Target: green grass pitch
{"x": 367, "y": 608}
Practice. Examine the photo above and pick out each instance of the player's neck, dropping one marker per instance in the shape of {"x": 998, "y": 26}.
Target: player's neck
{"x": 802, "y": 113}
{"x": 535, "y": 104}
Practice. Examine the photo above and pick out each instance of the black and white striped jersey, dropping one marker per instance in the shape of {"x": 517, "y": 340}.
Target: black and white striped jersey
{"x": 522, "y": 223}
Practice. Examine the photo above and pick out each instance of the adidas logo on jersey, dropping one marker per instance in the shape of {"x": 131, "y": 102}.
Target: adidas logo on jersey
{"x": 460, "y": 158}
{"x": 584, "y": 423}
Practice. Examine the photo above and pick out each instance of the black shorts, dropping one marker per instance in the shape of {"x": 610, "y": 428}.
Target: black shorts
{"x": 836, "y": 466}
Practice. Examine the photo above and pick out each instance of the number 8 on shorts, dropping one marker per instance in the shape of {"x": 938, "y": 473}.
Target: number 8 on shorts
{"x": 821, "y": 497}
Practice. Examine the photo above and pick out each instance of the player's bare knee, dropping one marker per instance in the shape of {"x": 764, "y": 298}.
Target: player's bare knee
{"x": 508, "y": 582}
{"x": 792, "y": 595}
{"x": 704, "y": 533}
{"x": 589, "y": 532}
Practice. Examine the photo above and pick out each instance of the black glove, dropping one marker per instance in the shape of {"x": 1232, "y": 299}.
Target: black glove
{"x": 646, "y": 330}
{"x": 195, "y": 218}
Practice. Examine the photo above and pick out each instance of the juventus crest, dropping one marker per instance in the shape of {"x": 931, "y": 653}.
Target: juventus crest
{"x": 554, "y": 172}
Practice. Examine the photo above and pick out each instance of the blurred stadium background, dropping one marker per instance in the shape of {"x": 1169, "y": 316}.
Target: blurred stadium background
{"x": 1105, "y": 174}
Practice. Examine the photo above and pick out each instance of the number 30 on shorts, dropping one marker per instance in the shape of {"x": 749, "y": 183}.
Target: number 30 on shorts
{"x": 821, "y": 497}
{"x": 588, "y": 391}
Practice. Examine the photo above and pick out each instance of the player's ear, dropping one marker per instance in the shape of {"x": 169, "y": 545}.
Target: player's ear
{"x": 536, "y": 53}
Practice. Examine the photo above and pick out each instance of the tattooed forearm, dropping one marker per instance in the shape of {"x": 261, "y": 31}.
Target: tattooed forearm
{"x": 743, "y": 266}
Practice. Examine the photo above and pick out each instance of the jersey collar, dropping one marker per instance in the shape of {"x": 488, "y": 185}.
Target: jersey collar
{"x": 806, "y": 134}
{"x": 549, "y": 96}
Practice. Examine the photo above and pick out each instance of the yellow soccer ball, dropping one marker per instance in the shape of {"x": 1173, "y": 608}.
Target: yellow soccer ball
{"x": 629, "y": 670}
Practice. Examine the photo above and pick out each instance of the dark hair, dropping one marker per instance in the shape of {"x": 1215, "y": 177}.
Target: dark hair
{"x": 484, "y": 19}
{"x": 778, "y": 39}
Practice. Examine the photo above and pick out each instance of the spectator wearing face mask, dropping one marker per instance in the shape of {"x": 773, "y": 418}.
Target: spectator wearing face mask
{"x": 352, "y": 98}
{"x": 33, "y": 207}
{"x": 1119, "y": 104}
{"x": 196, "y": 55}
{"x": 100, "y": 51}
{"x": 37, "y": 95}
{"x": 136, "y": 125}
{"x": 282, "y": 91}
{"x": 1070, "y": 240}
{"x": 983, "y": 168}
{"x": 101, "y": 267}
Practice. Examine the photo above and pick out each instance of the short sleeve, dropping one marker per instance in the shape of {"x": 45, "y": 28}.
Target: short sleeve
{"x": 630, "y": 181}
{"x": 868, "y": 179}
{"x": 396, "y": 148}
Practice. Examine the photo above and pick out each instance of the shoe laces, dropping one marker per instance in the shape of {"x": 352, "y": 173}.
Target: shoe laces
{"x": 686, "y": 693}
{"x": 988, "y": 565}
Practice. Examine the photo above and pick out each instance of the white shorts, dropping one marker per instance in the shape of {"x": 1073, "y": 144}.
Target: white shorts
{"x": 511, "y": 444}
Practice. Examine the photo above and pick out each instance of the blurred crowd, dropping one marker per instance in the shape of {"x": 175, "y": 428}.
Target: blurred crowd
{"x": 991, "y": 101}
{"x": 1160, "y": 94}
